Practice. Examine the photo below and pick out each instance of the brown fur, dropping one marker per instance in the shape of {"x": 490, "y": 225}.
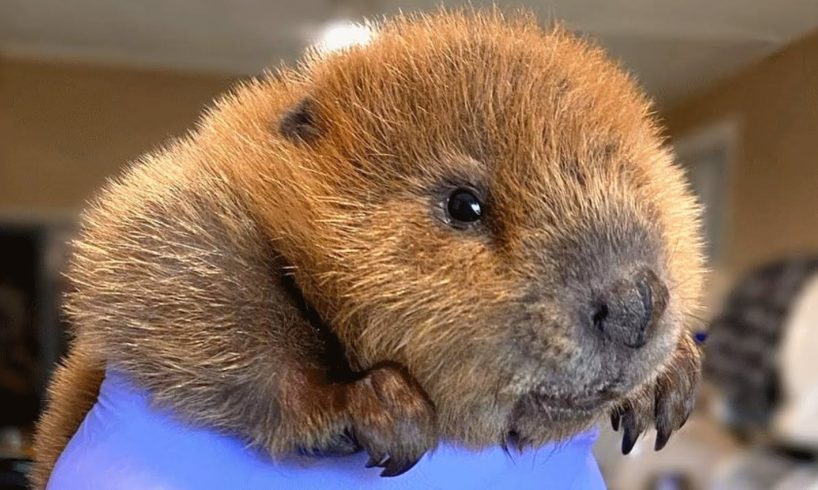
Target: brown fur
{"x": 72, "y": 393}
{"x": 262, "y": 275}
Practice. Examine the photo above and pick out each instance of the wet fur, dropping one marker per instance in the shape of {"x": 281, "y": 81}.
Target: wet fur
{"x": 286, "y": 272}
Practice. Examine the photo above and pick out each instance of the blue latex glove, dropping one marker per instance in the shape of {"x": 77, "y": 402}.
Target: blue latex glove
{"x": 126, "y": 444}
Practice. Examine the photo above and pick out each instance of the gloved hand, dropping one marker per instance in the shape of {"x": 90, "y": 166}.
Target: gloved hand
{"x": 126, "y": 444}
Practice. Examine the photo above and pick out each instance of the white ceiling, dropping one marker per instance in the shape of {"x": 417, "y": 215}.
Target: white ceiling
{"x": 674, "y": 46}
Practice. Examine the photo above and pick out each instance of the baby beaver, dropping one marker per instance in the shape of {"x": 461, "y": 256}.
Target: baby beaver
{"x": 467, "y": 230}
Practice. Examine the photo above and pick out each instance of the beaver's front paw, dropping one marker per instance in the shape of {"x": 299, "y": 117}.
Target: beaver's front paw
{"x": 392, "y": 419}
{"x": 666, "y": 403}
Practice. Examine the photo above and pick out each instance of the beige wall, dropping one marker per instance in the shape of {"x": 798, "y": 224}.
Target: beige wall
{"x": 773, "y": 207}
{"x": 65, "y": 128}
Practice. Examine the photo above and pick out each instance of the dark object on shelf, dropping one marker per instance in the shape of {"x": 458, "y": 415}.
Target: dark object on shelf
{"x": 32, "y": 337}
{"x": 13, "y": 474}
{"x": 743, "y": 340}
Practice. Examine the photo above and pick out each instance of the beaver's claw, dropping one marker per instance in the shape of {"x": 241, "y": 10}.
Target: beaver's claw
{"x": 391, "y": 467}
{"x": 392, "y": 419}
{"x": 666, "y": 403}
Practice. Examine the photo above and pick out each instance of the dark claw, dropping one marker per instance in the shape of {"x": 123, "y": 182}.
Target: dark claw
{"x": 615, "y": 420}
{"x": 394, "y": 468}
{"x": 629, "y": 439}
{"x": 662, "y": 436}
{"x": 664, "y": 423}
{"x": 632, "y": 430}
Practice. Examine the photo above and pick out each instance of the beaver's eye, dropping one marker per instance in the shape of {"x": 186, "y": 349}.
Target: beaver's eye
{"x": 463, "y": 206}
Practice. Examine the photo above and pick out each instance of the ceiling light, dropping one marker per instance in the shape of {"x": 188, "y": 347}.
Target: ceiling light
{"x": 338, "y": 35}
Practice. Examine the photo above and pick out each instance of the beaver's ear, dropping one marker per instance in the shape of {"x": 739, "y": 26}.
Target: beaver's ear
{"x": 300, "y": 123}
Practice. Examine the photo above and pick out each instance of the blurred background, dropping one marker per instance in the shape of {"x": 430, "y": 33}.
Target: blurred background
{"x": 88, "y": 85}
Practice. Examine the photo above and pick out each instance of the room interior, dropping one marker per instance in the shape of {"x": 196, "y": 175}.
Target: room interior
{"x": 88, "y": 86}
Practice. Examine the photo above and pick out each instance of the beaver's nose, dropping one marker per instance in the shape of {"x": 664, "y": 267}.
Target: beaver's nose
{"x": 627, "y": 312}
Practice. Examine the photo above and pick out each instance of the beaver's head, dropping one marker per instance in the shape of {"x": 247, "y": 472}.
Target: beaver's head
{"x": 489, "y": 204}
